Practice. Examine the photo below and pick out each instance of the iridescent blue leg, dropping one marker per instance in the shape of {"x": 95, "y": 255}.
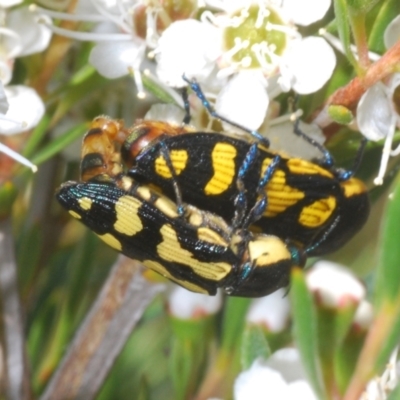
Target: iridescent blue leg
{"x": 258, "y": 209}
{"x": 199, "y": 93}
{"x": 328, "y": 159}
{"x": 341, "y": 174}
{"x": 241, "y": 198}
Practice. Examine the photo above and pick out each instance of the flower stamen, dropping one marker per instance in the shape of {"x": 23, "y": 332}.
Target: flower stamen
{"x": 17, "y": 157}
{"x": 65, "y": 16}
{"x": 87, "y": 36}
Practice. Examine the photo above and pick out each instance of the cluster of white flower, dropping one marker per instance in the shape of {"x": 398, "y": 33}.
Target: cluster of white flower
{"x": 237, "y": 49}
{"x": 21, "y": 108}
{"x": 378, "y": 112}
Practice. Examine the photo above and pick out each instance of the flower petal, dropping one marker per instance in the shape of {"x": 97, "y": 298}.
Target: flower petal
{"x": 364, "y": 315}
{"x": 305, "y": 12}
{"x": 187, "y": 47}
{"x": 34, "y": 36}
{"x": 6, "y": 69}
{"x": 287, "y": 361}
{"x": 9, "y": 3}
{"x": 392, "y": 33}
{"x": 3, "y": 100}
{"x": 116, "y": 59}
{"x": 259, "y": 383}
{"x": 310, "y": 62}
{"x": 334, "y": 285}
{"x": 25, "y": 106}
{"x": 301, "y": 390}
{"x": 188, "y": 305}
{"x": 244, "y": 100}
{"x": 270, "y": 311}
{"x": 375, "y": 117}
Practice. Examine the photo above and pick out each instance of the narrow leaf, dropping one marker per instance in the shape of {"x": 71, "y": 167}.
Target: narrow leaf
{"x": 388, "y": 271}
{"x": 342, "y": 20}
{"x": 254, "y": 345}
{"x": 59, "y": 144}
{"x": 305, "y": 330}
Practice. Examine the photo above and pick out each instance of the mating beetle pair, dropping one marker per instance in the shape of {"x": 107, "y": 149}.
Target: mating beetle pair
{"x": 302, "y": 208}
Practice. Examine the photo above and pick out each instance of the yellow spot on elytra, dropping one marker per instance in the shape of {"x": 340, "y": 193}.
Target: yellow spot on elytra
{"x": 75, "y": 214}
{"x": 223, "y": 162}
{"x": 155, "y": 266}
{"x": 280, "y": 195}
{"x": 353, "y": 187}
{"x": 265, "y": 251}
{"x": 301, "y": 167}
{"x": 170, "y": 250}
{"x": 126, "y": 183}
{"x": 210, "y": 236}
{"x": 127, "y": 214}
{"x": 167, "y": 207}
{"x": 179, "y": 160}
{"x": 85, "y": 203}
{"x": 111, "y": 241}
{"x": 317, "y": 213}
{"x": 144, "y": 192}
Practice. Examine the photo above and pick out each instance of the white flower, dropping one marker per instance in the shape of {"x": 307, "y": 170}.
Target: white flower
{"x": 9, "y": 3}
{"x": 271, "y": 311}
{"x": 230, "y": 100}
{"x": 281, "y": 377}
{"x": 188, "y": 305}
{"x": 122, "y": 30}
{"x": 254, "y": 43}
{"x": 364, "y": 315}
{"x": 378, "y": 109}
{"x": 20, "y": 106}
{"x": 8, "y": 124}
{"x": 187, "y": 47}
{"x": 334, "y": 285}
{"x": 377, "y": 118}
{"x": 307, "y": 65}
{"x": 22, "y": 98}
{"x": 21, "y": 35}
{"x": 306, "y": 12}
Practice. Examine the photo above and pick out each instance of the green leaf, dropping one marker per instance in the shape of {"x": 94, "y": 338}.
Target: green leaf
{"x": 387, "y": 287}
{"x": 85, "y": 82}
{"x": 254, "y": 345}
{"x": 342, "y": 20}
{"x": 58, "y": 144}
{"x": 233, "y": 324}
{"x": 187, "y": 366}
{"x": 305, "y": 331}
{"x": 36, "y": 137}
{"x": 388, "y": 10}
{"x": 346, "y": 359}
{"x": 8, "y": 194}
{"x": 361, "y": 6}
{"x": 390, "y": 342}
{"x": 161, "y": 92}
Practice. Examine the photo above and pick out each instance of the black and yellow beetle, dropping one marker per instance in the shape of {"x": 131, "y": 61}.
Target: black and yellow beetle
{"x": 309, "y": 203}
{"x": 197, "y": 249}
